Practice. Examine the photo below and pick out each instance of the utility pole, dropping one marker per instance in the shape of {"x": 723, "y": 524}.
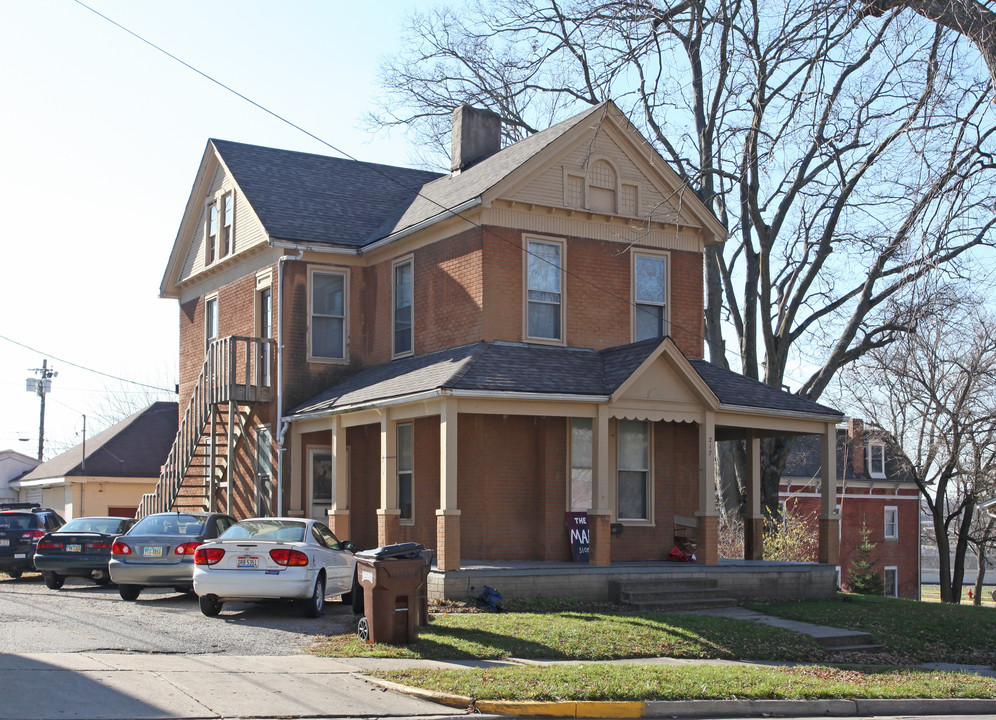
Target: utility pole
{"x": 41, "y": 386}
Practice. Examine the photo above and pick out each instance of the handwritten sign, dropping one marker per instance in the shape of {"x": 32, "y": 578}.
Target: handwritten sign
{"x": 580, "y": 535}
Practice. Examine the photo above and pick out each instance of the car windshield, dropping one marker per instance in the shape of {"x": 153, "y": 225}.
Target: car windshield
{"x": 16, "y": 521}
{"x": 169, "y": 524}
{"x": 108, "y": 526}
{"x": 288, "y": 530}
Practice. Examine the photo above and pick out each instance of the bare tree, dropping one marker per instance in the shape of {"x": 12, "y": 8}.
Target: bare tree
{"x": 934, "y": 393}
{"x": 848, "y": 155}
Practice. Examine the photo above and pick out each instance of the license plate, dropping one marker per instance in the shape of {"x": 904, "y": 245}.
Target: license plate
{"x": 4, "y": 542}
{"x": 156, "y": 551}
{"x": 248, "y": 562}
{"x": 74, "y": 548}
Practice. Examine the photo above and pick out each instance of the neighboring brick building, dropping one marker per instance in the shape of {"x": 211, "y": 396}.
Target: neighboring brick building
{"x": 459, "y": 359}
{"x": 873, "y": 491}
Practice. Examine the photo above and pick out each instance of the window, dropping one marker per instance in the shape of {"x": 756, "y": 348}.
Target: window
{"x": 211, "y": 245}
{"x": 602, "y": 187}
{"x": 581, "y": 455}
{"x": 403, "y": 308}
{"x": 227, "y": 212}
{"x": 891, "y": 522}
{"x": 633, "y": 497}
{"x": 405, "y": 480}
{"x": 890, "y": 581}
{"x": 650, "y": 296}
{"x": 264, "y": 305}
{"x": 328, "y": 315}
{"x": 321, "y": 477}
{"x": 210, "y": 320}
{"x": 543, "y": 279}
{"x": 875, "y": 460}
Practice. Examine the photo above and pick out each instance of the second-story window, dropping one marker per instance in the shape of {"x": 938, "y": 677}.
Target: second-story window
{"x": 543, "y": 288}
{"x": 210, "y": 320}
{"x": 875, "y": 460}
{"x": 227, "y": 213}
{"x": 891, "y": 522}
{"x": 211, "y": 243}
{"x": 328, "y": 315}
{"x": 650, "y": 296}
{"x": 403, "y": 308}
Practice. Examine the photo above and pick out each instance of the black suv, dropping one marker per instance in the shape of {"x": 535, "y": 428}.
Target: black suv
{"x": 22, "y": 525}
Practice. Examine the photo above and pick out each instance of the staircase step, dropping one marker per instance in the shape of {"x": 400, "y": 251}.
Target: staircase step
{"x": 845, "y": 639}
{"x": 681, "y": 605}
{"x": 857, "y": 648}
{"x": 650, "y": 595}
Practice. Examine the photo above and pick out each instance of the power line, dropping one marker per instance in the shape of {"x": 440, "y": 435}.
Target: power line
{"x": 83, "y": 367}
{"x": 372, "y": 167}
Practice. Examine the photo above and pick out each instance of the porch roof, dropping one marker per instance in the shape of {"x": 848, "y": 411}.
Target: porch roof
{"x": 498, "y": 367}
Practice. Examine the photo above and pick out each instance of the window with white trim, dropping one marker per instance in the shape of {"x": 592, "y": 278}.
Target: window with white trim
{"x": 891, "y": 522}
{"x": 210, "y": 319}
{"x": 875, "y": 459}
{"x": 219, "y": 227}
{"x": 633, "y": 475}
{"x": 890, "y": 581}
{"x": 649, "y": 296}
{"x": 328, "y": 315}
{"x": 226, "y": 244}
{"x": 544, "y": 283}
{"x": 403, "y": 281}
{"x": 211, "y": 234}
{"x": 602, "y": 187}
{"x": 581, "y": 461}
{"x": 406, "y": 486}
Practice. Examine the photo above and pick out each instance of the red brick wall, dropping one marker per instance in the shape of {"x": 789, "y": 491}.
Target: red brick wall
{"x": 902, "y": 552}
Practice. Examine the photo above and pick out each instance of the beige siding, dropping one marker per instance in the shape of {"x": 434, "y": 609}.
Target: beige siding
{"x": 247, "y": 230}
{"x": 548, "y": 187}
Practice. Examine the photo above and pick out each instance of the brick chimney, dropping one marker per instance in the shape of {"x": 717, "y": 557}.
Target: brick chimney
{"x": 856, "y": 434}
{"x": 476, "y": 135}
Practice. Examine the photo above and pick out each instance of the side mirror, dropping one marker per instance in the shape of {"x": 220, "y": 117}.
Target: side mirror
{"x": 348, "y": 545}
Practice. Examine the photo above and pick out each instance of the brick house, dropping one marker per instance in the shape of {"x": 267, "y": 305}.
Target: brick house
{"x": 873, "y": 491}
{"x": 460, "y": 359}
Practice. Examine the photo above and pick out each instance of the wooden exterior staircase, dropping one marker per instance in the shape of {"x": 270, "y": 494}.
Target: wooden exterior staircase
{"x": 237, "y": 374}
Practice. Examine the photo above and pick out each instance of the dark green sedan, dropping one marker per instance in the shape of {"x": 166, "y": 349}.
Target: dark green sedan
{"x": 80, "y": 548}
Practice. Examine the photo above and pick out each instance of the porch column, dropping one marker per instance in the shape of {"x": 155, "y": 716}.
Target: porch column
{"x": 297, "y": 486}
{"x": 388, "y": 514}
{"x": 754, "y": 519}
{"x": 707, "y": 550}
{"x": 339, "y": 510}
{"x": 448, "y": 514}
{"x": 829, "y": 549}
{"x": 601, "y": 499}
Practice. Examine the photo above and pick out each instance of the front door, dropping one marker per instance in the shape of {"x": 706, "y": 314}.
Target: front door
{"x": 319, "y": 484}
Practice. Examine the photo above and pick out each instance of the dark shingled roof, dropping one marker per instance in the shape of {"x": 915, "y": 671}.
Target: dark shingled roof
{"x": 135, "y": 447}
{"x": 301, "y": 197}
{"x": 805, "y": 461}
{"x": 519, "y": 368}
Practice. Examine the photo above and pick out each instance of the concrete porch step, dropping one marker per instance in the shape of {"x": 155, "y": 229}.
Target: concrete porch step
{"x": 662, "y": 594}
{"x": 682, "y": 604}
{"x": 674, "y": 595}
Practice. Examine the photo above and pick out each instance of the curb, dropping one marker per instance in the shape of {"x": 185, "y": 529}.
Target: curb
{"x": 702, "y": 708}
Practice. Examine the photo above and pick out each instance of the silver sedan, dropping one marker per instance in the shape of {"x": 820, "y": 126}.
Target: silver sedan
{"x": 159, "y": 550}
{"x": 274, "y": 559}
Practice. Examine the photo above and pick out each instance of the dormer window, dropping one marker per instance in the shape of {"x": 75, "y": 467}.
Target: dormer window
{"x": 875, "y": 459}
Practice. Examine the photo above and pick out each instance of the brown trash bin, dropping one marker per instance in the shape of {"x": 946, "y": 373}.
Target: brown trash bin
{"x": 392, "y": 593}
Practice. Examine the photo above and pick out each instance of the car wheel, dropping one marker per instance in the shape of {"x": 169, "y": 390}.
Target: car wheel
{"x": 53, "y": 581}
{"x": 15, "y": 572}
{"x": 209, "y": 606}
{"x": 363, "y": 629}
{"x": 316, "y": 603}
{"x": 129, "y": 592}
{"x": 101, "y": 577}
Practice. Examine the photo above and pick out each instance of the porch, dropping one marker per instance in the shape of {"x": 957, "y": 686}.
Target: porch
{"x": 739, "y": 579}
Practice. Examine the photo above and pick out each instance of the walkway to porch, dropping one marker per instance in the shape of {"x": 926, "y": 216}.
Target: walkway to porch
{"x": 739, "y": 579}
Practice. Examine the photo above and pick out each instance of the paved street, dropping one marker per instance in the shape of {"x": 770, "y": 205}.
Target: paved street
{"x": 82, "y": 652}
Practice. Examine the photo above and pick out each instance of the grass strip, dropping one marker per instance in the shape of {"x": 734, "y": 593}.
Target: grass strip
{"x": 911, "y": 632}
{"x": 586, "y": 636}
{"x": 698, "y": 682}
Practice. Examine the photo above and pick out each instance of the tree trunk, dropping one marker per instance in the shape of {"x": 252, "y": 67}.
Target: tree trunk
{"x": 980, "y": 576}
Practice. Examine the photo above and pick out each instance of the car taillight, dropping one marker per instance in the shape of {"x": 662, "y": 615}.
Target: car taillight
{"x": 187, "y": 548}
{"x": 119, "y": 548}
{"x": 33, "y": 535}
{"x": 49, "y": 545}
{"x": 284, "y": 556}
{"x": 95, "y": 546}
{"x": 208, "y": 556}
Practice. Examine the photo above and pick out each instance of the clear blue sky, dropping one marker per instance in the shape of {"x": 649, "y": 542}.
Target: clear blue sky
{"x": 100, "y": 138}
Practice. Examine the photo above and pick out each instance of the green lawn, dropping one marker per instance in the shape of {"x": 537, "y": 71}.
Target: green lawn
{"x": 700, "y": 682}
